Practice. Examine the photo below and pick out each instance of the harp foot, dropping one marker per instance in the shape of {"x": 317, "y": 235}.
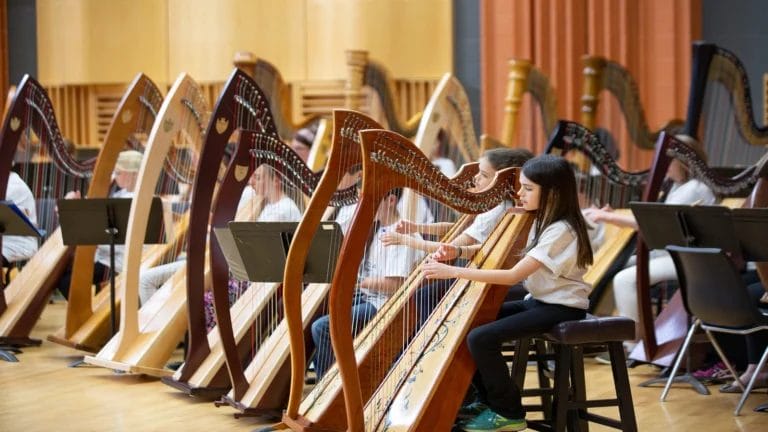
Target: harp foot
{"x": 271, "y": 428}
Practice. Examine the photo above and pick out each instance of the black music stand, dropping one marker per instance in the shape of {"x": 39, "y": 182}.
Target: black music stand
{"x": 256, "y": 251}
{"x": 13, "y": 222}
{"x": 100, "y": 221}
{"x": 691, "y": 226}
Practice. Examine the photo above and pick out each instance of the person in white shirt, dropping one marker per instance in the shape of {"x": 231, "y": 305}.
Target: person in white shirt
{"x": 265, "y": 191}
{"x": 124, "y": 175}
{"x": 685, "y": 190}
{"x": 553, "y": 267}
{"x": 383, "y": 270}
{"x": 19, "y": 248}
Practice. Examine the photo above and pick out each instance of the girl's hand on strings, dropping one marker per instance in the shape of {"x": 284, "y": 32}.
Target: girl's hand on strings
{"x": 391, "y": 238}
{"x": 597, "y": 215}
{"x": 434, "y": 270}
{"x": 445, "y": 252}
{"x": 405, "y": 227}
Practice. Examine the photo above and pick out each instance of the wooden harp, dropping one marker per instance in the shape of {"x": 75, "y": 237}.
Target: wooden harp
{"x": 31, "y": 136}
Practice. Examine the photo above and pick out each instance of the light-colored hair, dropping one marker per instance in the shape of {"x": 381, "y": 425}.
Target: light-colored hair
{"x": 129, "y": 160}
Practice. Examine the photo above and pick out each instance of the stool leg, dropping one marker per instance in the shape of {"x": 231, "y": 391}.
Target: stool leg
{"x": 544, "y": 382}
{"x": 520, "y": 362}
{"x": 623, "y": 391}
{"x": 562, "y": 386}
{"x": 577, "y": 417}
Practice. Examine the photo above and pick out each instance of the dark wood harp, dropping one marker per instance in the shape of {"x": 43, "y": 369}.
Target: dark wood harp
{"x": 621, "y": 116}
{"x": 147, "y": 337}
{"x": 30, "y": 121}
{"x": 204, "y": 371}
{"x": 662, "y": 338}
{"x": 241, "y": 105}
{"x": 389, "y": 161}
{"x": 530, "y": 109}
{"x": 87, "y": 323}
{"x": 363, "y": 72}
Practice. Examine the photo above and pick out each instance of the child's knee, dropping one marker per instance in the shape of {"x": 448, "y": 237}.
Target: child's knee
{"x": 320, "y": 329}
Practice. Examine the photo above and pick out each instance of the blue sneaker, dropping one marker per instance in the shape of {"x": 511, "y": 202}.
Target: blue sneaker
{"x": 489, "y": 421}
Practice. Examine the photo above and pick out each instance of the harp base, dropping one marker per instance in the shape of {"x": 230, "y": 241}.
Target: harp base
{"x": 302, "y": 424}
{"x": 19, "y": 342}
{"x": 72, "y": 344}
{"x": 210, "y": 393}
{"x": 246, "y": 411}
{"x": 126, "y": 367}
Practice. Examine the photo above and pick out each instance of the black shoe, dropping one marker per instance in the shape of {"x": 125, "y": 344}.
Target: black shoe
{"x": 174, "y": 365}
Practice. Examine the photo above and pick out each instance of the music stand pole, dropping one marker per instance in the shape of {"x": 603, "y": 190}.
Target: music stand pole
{"x": 83, "y": 222}
{"x": 113, "y": 233}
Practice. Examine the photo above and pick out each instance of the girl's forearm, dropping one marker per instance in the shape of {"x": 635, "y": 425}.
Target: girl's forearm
{"x": 512, "y": 276}
{"x": 436, "y": 228}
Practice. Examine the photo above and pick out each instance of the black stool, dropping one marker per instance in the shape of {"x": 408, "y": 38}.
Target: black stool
{"x": 569, "y": 403}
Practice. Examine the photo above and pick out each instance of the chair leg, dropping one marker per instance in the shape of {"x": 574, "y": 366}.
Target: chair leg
{"x": 680, "y": 355}
{"x": 724, "y": 358}
{"x": 751, "y": 382}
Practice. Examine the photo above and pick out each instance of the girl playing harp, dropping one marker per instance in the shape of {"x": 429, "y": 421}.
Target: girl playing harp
{"x": 555, "y": 261}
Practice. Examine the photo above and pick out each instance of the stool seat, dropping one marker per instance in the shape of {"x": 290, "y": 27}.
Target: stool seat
{"x": 592, "y": 329}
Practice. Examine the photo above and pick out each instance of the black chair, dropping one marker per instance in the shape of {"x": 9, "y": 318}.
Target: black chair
{"x": 715, "y": 295}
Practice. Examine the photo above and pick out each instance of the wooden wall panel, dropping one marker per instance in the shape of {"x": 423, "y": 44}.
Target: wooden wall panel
{"x": 99, "y": 42}
{"x": 273, "y": 30}
{"x": 412, "y": 39}
{"x": 651, "y": 38}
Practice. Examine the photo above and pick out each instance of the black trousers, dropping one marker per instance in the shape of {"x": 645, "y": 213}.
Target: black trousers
{"x": 516, "y": 320}
{"x": 100, "y": 275}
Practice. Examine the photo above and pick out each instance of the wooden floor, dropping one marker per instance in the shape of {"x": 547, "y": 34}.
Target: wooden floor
{"x": 40, "y": 393}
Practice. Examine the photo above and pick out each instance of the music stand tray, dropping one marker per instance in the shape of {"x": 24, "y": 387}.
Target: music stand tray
{"x": 684, "y": 225}
{"x": 692, "y": 226}
{"x": 104, "y": 221}
{"x": 751, "y": 225}
{"x": 13, "y": 222}
{"x": 256, "y": 251}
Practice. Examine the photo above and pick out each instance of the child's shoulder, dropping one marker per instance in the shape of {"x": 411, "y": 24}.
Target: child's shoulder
{"x": 559, "y": 227}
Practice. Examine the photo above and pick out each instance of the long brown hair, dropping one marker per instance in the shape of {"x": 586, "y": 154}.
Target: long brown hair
{"x": 558, "y": 201}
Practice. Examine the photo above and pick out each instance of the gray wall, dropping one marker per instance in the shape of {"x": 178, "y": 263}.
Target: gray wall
{"x": 740, "y": 27}
{"x": 22, "y": 40}
{"x": 466, "y": 52}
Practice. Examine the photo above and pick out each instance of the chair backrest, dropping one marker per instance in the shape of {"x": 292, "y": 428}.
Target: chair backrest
{"x": 712, "y": 287}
